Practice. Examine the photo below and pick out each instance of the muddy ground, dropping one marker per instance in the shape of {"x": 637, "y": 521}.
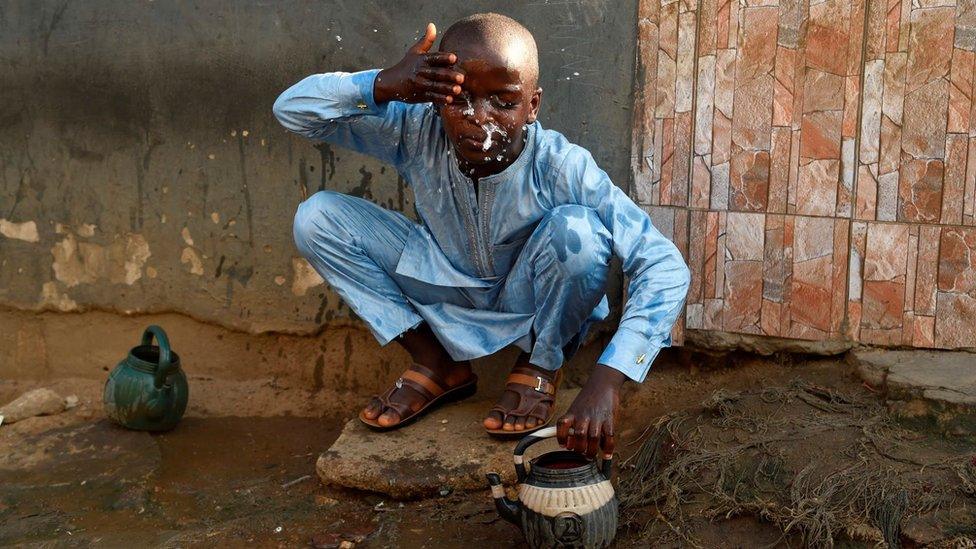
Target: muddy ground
{"x": 241, "y": 469}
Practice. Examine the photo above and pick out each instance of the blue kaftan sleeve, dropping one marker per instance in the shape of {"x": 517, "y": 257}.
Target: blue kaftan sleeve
{"x": 658, "y": 275}
{"x": 339, "y": 108}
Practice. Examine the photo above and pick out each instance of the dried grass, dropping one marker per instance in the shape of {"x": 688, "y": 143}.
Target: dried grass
{"x": 748, "y": 453}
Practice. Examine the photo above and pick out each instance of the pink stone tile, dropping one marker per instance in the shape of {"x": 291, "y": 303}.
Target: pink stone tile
{"x": 749, "y": 180}
{"x": 882, "y": 306}
{"x": 793, "y": 180}
{"x": 792, "y": 17}
{"x": 875, "y": 43}
{"x": 969, "y": 195}
{"x": 961, "y": 91}
{"x": 852, "y": 92}
{"x": 923, "y": 331}
{"x": 845, "y": 191}
{"x": 920, "y": 191}
{"x": 709, "y": 254}
{"x": 955, "y": 179}
{"x": 907, "y": 328}
{"x": 810, "y": 300}
{"x": 957, "y": 261}
{"x": 816, "y": 189}
{"x": 923, "y": 135}
{"x": 885, "y": 258}
{"x": 784, "y": 74}
{"x": 720, "y": 256}
{"x": 712, "y": 319}
{"x": 892, "y": 103}
{"x": 789, "y": 230}
{"x": 855, "y": 38}
{"x": 911, "y": 269}
{"x": 779, "y": 169}
{"x": 871, "y": 111}
{"x": 889, "y": 158}
{"x": 827, "y": 32}
{"x": 892, "y": 24}
{"x": 821, "y": 135}
{"x": 929, "y": 46}
{"x": 707, "y": 29}
{"x": 822, "y": 91}
{"x": 839, "y": 264}
{"x": 720, "y": 187}
{"x": 667, "y": 66}
{"x": 685, "y": 62}
{"x": 775, "y": 267}
{"x": 682, "y": 158}
{"x": 701, "y": 180}
{"x": 694, "y": 313}
{"x": 756, "y": 51}
{"x": 887, "y": 204}
{"x": 667, "y": 161}
{"x": 926, "y": 275}
{"x": 704, "y": 114}
{"x": 744, "y": 236}
{"x": 954, "y": 319}
{"x": 753, "y": 115}
{"x": 771, "y": 322}
{"x": 966, "y": 25}
{"x": 696, "y": 256}
{"x": 743, "y": 296}
{"x": 722, "y": 38}
{"x": 867, "y": 192}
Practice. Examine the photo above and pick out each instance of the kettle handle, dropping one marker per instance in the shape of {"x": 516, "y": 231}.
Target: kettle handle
{"x": 519, "y": 454}
{"x": 165, "y": 363}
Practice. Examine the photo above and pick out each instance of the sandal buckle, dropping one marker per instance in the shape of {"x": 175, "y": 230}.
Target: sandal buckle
{"x": 399, "y": 383}
{"x": 539, "y": 384}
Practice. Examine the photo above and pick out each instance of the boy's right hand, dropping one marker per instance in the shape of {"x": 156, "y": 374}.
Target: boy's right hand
{"x": 420, "y": 77}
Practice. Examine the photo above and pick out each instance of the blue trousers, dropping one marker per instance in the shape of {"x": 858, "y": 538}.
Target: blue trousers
{"x": 553, "y": 291}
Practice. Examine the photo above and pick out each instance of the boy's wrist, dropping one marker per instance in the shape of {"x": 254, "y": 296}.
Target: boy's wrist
{"x": 381, "y": 89}
{"x": 608, "y": 376}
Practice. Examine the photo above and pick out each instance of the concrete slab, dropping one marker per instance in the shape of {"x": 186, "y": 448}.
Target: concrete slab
{"x": 938, "y": 387}
{"x": 447, "y": 449}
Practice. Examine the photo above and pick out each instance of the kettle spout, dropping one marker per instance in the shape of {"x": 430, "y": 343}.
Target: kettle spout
{"x": 508, "y": 509}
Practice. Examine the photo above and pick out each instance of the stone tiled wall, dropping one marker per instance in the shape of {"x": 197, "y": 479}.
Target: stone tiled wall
{"x": 816, "y": 163}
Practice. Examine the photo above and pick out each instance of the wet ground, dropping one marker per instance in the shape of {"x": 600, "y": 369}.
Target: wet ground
{"x": 76, "y": 480}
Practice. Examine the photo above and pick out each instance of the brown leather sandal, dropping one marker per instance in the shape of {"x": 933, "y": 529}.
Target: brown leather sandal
{"x": 537, "y": 399}
{"x": 422, "y": 380}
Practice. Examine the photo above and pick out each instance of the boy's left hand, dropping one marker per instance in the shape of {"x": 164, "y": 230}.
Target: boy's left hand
{"x": 588, "y": 426}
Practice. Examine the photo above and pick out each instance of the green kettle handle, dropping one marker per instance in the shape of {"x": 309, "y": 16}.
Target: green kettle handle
{"x": 165, "y": 364}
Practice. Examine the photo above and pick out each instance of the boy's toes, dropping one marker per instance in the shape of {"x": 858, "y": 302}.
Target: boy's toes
{"x": 509, "y": 424}
{"x": 389, "y": 417}
{"x": 530, "y": 423}
{"x": 373, "y": 409}
{"x": 520, "y": 424}
{"x": 493, "y": 421}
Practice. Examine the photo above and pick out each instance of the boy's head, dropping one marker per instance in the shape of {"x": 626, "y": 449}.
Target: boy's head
{"x": 500, "y": 93}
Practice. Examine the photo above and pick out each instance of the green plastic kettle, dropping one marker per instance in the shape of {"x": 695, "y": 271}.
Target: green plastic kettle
{"x": 147, "y": 390}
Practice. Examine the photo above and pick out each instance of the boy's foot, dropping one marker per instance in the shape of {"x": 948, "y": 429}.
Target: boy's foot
{"x": 416, "y": 389}
{"x": 528, "y": 401}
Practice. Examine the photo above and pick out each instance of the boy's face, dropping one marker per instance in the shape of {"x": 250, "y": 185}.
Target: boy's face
{"x": 486, "y": 123}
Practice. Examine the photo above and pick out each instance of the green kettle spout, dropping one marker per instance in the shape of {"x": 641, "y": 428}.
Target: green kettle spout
{"x": 507, "y": 509}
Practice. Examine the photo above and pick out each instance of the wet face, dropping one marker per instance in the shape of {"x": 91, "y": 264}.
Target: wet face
{"x": 486, "y": 124}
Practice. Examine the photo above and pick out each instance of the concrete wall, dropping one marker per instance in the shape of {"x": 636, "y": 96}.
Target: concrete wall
{"x": 141, "y": 170}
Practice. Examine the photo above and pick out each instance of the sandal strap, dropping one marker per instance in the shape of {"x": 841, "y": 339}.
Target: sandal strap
{"x": 422, "y": 377}
{"x": 536, "y": 382}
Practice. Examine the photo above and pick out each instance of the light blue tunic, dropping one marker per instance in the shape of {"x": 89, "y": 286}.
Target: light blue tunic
{"x": 469, "y": 240}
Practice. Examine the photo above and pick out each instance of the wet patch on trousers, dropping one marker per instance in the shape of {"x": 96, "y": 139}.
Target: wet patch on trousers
{"x": 565, "y": 240}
